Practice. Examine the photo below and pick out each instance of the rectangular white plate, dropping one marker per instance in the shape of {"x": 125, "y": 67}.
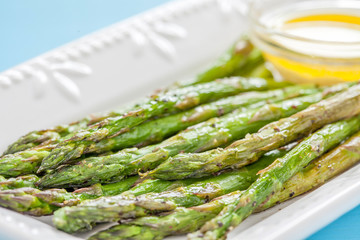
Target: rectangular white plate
{"x": 125, "y": 62}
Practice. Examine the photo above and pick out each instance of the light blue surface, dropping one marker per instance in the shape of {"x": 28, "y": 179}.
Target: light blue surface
{"x": 29, "y": 28}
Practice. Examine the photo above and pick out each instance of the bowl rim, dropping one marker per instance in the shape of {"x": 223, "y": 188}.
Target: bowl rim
{"x": 261, "y": 27}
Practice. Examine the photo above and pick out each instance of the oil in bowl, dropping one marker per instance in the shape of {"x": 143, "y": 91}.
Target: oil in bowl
{"x": 309, "y": 41}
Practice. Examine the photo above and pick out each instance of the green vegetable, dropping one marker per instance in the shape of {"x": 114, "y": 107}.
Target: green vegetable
{"x": 318, "y": 171}
{"x": 18, "y": 182}
{"x": 171, "y": 102}
{"x": 212, "y": 133}
{"x": 107, "y": 209}
{"x": 240, "y": 56}
{"x": 177, "y": 221}
{"x": 24, "y": 162}
{"x": 273, "y": 177}
{"x": 270, "y": 137}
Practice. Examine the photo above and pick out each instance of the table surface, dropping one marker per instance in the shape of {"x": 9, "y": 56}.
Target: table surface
{"x": 34, "y": 27}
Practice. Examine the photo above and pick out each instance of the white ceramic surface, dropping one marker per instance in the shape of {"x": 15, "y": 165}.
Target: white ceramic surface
{"x": 126, "y": 61}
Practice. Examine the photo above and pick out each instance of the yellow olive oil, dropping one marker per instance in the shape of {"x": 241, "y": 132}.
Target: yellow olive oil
{"x": 327, "y": 47}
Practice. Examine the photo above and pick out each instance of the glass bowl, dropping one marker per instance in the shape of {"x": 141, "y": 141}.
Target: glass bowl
{"x": 315, "y": 41}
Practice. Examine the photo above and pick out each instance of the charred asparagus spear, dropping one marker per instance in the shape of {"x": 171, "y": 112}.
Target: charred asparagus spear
{"x": 210, "y": 134}
{"x": 272, "y": 136}
{"x": 109, "y": 209}
{"x": 170, "y": 102}
{"x": 274, "y": 176}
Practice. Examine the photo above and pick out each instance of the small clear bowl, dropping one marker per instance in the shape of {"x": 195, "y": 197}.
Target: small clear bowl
{"x": 303, "y": 59}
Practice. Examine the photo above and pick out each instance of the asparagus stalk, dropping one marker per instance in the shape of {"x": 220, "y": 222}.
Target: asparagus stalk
{"x": 273, "y": 177}
{"x": 169, "y": 223}
{"x": 260, "y": 71}
{"x": 270, "y": 137}
{"x": 18, "y": 182}
{"x": 35, "y": 202}
{"x": 24, "y": 162}
{"x": 235, "y": 59}
{"x": 318, "y": 172}
{"x": 170, "y": 102}
{"x": 56, "y": 134}
{"x": 33, "y": 139}
{"x": 28, "y": 200}
{"x": 213, "y": 133}
{"x": 177, "y": 221}
{"x": 254, "y": 60}
{"x": 83, "y": 216}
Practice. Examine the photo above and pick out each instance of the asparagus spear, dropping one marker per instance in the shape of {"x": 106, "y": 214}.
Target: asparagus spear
{"x": 25, "y": 162}
{"x": 35, "y": 202}
{"x": 33, "y": 139}
{"x": 24, "y": 200}
{"x": 254, "y": 60}
{"x": 170, "y": 102}
{"x": 213, "y": 133}
{"x": 28, "y": 200}
{"x": 54, "y": 135}
{"x": 273, "y": 177}
{"x": 71, "y": 219}
{"x": 18, "y": 182}
{"x": 272, "y": 136}
{"x": 177, "y": 221}
{"x": 260, "y": 71}
{"x": 318, "y": 172}
{"x": 236, "y": 58}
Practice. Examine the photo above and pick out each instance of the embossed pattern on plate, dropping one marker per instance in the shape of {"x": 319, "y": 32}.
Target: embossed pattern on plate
{"x": 126, "y": 61}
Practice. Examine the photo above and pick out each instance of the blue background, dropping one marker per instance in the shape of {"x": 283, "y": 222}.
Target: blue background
{"x": 29, "y": 28}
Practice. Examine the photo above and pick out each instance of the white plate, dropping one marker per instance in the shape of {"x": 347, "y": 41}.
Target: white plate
{"x": 129, "y": 60}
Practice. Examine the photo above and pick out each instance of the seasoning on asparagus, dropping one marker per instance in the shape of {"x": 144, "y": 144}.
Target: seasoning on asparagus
{"x": 213, "y": 133}
{"x": 83, "y": 216}
{"x": 272, "y": 178}
{"x": 272, "y": 136}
